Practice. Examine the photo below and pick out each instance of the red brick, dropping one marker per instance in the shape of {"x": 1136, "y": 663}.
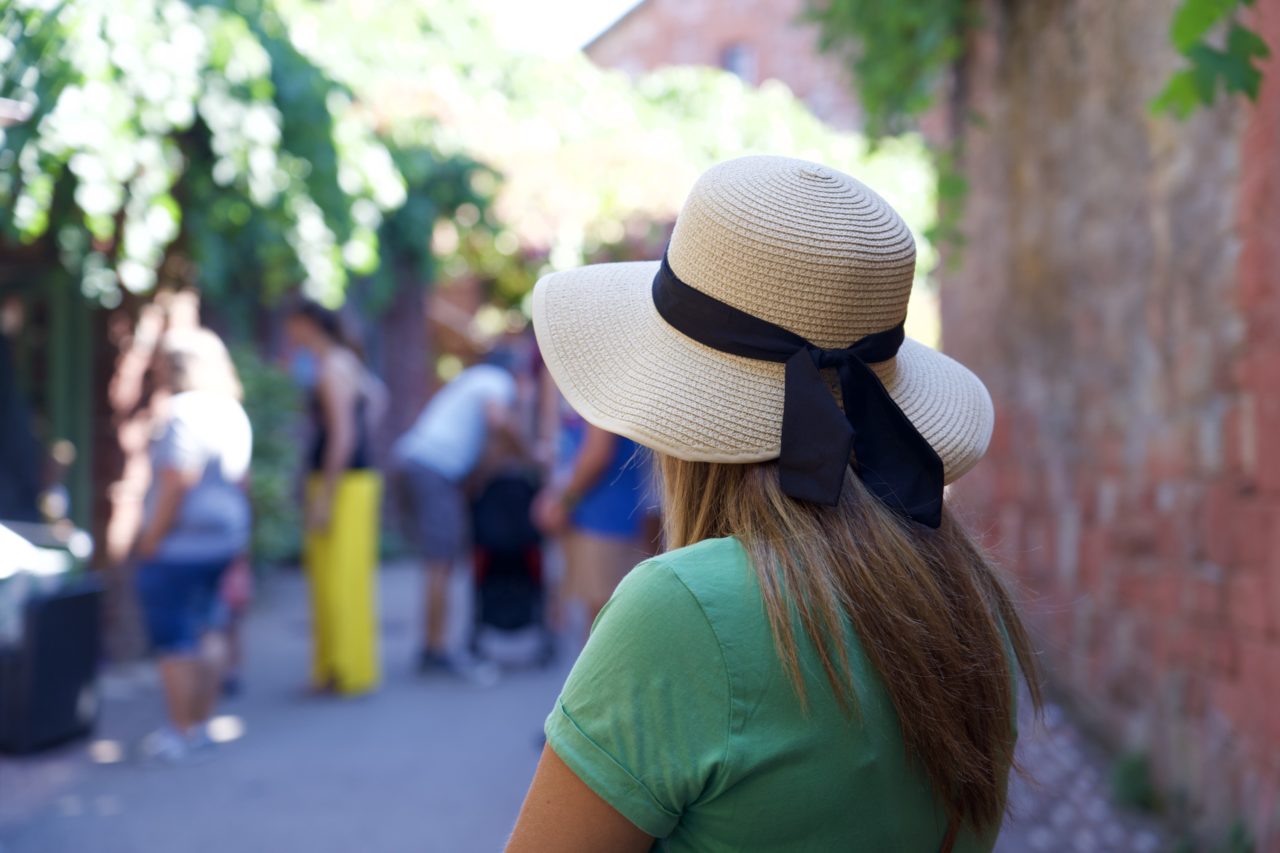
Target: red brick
{"x": 1255, "y": 524}
{"x": 1268, "y": 442}
{"x": 1231, "y": 699}
{"x": 1248, "y": 605}
{"x": 1204, "y": 600}
{"x": 1260, "y": 667}
{"x": 1110, "y": 343}
{"x": 1164, "y": 595}
{"x": 783, "y": 46}
{"x": 1217, "y": 652}
{"x": 1239, "y": 443}
{"x": 1271, "y": 580}
{"x": 1218, "y": 526}
{"x": 1170, "y": 452}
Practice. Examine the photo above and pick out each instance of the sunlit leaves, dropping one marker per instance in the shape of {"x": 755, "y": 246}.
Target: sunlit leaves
{"x": 1227, "y": 64}
{"x": 1192, "y": 21}
{"x": 895, "y": 52}
{"x": 587, "y": 157}
{"x": 166, "y": 119}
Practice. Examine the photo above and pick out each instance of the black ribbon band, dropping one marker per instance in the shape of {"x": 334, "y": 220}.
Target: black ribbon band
{"x": 891, "y": 457}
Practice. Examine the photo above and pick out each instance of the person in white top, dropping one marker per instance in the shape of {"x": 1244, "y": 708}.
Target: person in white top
{"x": 431, "y": 461}
{"x": 196, "y": 523}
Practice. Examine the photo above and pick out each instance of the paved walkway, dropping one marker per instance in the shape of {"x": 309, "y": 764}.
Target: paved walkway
{"x": 1063, "y": 804}
{"x": 421, "y": 766}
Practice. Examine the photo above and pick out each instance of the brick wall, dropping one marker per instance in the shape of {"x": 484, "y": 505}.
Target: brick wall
{"x": 658, "y": 33}
{"x": 1121, "y": 297}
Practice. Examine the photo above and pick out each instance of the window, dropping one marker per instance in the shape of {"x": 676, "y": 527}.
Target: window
{"x": 739, "y": 59}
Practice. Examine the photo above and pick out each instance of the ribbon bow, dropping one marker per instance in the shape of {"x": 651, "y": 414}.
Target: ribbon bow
{"x": 892, "y": 459}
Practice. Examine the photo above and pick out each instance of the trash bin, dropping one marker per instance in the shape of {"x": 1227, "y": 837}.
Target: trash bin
{"x": 50, "y": 628}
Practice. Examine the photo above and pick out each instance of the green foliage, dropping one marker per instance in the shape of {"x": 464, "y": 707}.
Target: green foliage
{"x": 1132, "y": 784}
{"x": 274, "y": 406}
{"x": 1239, "y": 839}
{"x": 451, "y": 187}
{"x": 188, "y": 127}
{"x": 1231, "y": 67}
{"x": 952, "y": 194}
{"x": 896, "y": 52}
{"x": 587, "y": 157}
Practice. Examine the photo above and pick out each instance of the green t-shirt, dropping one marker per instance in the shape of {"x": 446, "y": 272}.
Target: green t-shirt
{"x": 680, "y": 716}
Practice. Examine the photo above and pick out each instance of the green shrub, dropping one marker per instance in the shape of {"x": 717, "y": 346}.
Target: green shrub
{"x": 1132, "y": 785}
{"x": 274, "y": 405}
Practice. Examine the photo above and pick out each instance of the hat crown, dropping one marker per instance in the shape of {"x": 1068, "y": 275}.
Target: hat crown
{"x": 798, "y": 244}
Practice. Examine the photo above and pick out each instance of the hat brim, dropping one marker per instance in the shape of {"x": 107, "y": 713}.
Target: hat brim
{"x": 624, "y": 369}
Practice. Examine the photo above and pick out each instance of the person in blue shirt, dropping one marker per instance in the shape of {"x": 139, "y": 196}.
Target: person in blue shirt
{"x": 596, "y": 505}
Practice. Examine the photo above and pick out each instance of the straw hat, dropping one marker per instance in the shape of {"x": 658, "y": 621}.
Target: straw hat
{"x": 794, "y": 243}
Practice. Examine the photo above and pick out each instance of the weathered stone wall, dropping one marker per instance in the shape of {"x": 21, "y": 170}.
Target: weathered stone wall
{"x": 778, "y": 46}
{"x": 1120, "y": 294}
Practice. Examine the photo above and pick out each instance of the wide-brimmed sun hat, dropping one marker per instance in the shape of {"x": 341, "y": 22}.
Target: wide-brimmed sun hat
{"x": 777, "y": 269}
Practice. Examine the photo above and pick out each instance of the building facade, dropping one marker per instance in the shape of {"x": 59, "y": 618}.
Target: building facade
{"x": 1120, "y": 296}
{"x": 757, "y": 40}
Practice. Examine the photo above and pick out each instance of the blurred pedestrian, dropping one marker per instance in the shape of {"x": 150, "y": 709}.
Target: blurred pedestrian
{"x": 342, "y": 496}
{"x": 826, "y": 661}
{"x": 196, "y": 523}
{"x": 595, "y": 504}
{"x": 235, "y": 594}
{"x": 432, "y": 461}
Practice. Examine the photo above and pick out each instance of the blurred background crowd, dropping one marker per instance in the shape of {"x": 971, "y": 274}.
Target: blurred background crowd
{"x": 264, "y": 278}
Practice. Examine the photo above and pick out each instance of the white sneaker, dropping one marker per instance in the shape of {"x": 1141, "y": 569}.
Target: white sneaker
{"x": 165, "y": 746}
{"x": 198, "y": 739}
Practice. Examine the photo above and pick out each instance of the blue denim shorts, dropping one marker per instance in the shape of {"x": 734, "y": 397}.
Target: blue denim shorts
{"x": 179, "y": 601}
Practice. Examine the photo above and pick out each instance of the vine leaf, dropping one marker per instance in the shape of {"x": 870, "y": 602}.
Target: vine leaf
{"x": 1232, "y": 68}
{"x": 1180, "y": 95}
{"x": 1193, "y": 20}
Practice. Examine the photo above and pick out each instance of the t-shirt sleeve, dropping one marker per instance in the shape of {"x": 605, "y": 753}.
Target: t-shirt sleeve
{"x": 179, "y": 445}
{"x": 643, "y": 719}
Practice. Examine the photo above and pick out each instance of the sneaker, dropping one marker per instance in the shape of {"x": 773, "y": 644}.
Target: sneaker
{"x": 164, "y": 746}
{"x": 198, "y": 739}
{"x": 479, "y": 672}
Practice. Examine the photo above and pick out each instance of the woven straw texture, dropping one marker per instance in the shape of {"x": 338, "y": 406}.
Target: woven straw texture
{"x": 795, "y": 243}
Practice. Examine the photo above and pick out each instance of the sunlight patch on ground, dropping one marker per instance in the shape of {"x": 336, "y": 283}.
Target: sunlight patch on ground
{"x": 106, "y": 751}
{"x": 226, "y": 728}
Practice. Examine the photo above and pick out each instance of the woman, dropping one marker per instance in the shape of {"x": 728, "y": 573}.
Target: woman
{"x": 196, "y": 524}
{"x": 342, "y": 497}
{"x": 825, "y": 661}
{"x": 595, "y": 505}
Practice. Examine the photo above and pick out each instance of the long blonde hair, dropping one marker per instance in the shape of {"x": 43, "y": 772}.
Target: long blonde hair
{"x": 931, "y": 612}
{"x": 197, "y": 360}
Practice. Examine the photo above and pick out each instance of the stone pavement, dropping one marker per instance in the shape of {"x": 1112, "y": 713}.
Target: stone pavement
{"x": 1063, "y": 803}
{"x": 421, "y": 766}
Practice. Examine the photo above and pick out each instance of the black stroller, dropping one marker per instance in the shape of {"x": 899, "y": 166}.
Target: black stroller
{"x": 510, "y": 593}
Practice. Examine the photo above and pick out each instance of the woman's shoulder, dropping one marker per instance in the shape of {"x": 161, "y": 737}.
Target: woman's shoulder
{"x": 341, "y": 364}
{"x": 702, "y": 560}
{"x": 714, "y": 574}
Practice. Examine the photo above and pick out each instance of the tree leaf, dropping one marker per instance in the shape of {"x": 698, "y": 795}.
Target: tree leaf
{"x": 1243, "y": 41}
{"x": 1180, "y": 95}
{"x": 1194, "y": 18}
